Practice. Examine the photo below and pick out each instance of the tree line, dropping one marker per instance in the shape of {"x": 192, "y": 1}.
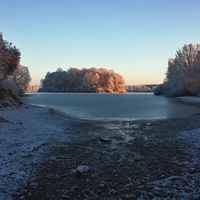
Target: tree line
{"x": 14, "y": 78}
{"x": 141, "y": 88}
{"x": 183, "y": 73}
{"x": 32, "y": 88}
{"x": 182, "y": 76}
{"x": 83, "y": 80}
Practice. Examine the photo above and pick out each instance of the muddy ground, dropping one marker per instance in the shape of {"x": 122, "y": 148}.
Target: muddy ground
{"x": 126, "y": 161}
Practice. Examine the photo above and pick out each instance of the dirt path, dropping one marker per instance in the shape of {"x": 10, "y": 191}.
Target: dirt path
{"x": 127, "y": 161}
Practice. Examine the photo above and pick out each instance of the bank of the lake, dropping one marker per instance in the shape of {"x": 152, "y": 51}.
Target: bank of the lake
{"x": 27, "y": 133}
{"x": 40, "y": 153}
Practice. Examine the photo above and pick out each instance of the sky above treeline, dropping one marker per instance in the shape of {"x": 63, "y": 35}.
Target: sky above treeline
{"x": 135, "y": 38}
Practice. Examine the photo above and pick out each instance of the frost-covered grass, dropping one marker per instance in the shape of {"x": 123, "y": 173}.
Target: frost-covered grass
{"x": 189, "y": 99}
{"x": 25, "y": 134}
{"x": 187, "y": 185}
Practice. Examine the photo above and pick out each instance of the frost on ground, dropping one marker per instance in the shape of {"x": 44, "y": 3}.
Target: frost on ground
{"x": 192, "y": 100}
{"x": 156, "y": 160}
{"x": 25, "y": 135}
{"x": 187, "y": 184}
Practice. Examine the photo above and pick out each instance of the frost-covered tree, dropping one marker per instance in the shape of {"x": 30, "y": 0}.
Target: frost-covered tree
{"x": 21, "y": 77}
{"x": 11, "y": 86}
{"x": 183, "y": 72}
{"x": 84, "y": 80}
{"x": 90, "y": 82}
{"x": 9, "y": 58}
{"x": 141, "y": 88}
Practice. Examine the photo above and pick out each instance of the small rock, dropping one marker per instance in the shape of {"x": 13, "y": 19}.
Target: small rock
{"x": 148, "y": 124}
{"x": 101, "y": 185}
{"x": 65, "y": 196}
{"x": 82, "y": 170}
{"x": 112, "y": 192}
{"x": 128, "y": 196}
{"x": 104, "y": 139}
{"x": 74, "y": 187}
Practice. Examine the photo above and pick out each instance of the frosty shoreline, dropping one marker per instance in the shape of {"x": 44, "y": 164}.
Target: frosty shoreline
{"x": 27, "y": 133}
{"x": 191, "y": 100}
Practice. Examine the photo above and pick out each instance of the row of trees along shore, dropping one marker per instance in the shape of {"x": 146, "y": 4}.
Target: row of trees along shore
{"x": 182, "y": 76}
{"x": 14, "y": 78}
{"x": 141, "y": 88}
{"x": 183, "y": 73}
{"x": 83, "y": 80}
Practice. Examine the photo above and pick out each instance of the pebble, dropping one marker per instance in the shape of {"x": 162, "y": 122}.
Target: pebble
{"x": 82, "y": 170}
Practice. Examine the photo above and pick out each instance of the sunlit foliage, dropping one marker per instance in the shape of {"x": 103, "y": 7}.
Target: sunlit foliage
{"x": 32, "y": 88}
{"x": 84, "y": 80}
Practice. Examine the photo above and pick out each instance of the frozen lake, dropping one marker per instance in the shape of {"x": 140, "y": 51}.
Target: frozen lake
{"x": 112, "y": 107}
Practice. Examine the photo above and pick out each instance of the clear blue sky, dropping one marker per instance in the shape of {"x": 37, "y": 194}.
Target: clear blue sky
{"x": 133, "y": 37}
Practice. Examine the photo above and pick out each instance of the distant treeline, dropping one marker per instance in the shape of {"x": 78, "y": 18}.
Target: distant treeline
{"x": 129, "y": 88}
{"x": 141, "y": 88}
{"x": 32, "y": 88}
{"x": 83, "y": 80}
